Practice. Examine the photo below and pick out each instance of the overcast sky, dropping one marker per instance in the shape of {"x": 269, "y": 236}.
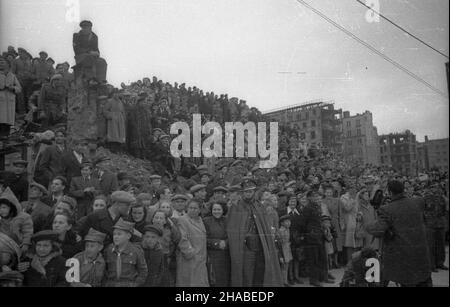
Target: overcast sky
{"x": 240, "y": 47}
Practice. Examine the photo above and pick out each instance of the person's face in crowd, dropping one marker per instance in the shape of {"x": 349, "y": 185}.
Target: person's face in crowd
{"x": 99, "y": 204}
{"x": 290, "y": 190}
{"x": 86, "y": 171}
{"x": 217, "y": 211}
{"x": 315, "y": 180}
{"x": 61, "y": 224}
{"x": 248, "y": 194}
{"x": 201, "y": 194}
{"x": 86, "y": 29}
{"x": 352, "y": 191}
{"x": 150, "y": 239}
{"x": 80, "y": 148}
{"x": 292, "y": 203}
{"x": 92, "y": 249}
{"x": 57, "y": 186}
{"x": 205, "y": 179}
{"x": 43, "y": 56}
{"x": 19, "y": 169}
{"x": 166, "y": 207}
{"x": 179, "y": 205}
{"x": 328, "y": 174}
{"x": 123, "y": 209}
{"x": 328, "y": 193}
{"x": 235, "y": 197}
{"x": 303, "y": 201}
{"x": 121, "y": 237}
{"x": 34, "y": 193}
{"x": 193, "y": 210}
{"x": 167, "y": 194}
{"x": 282, "y": 178}
{"x": 283, "y": 162}
{"x": 62, "y": 207}
{"x": 365, "y": 195}
{"x": 60, "y": 138}
{"x": 159, "y": 219}
{"x": 137, "y": 213}
{"x": 4, "y": 211}
{"x": 271, "y": 186}
{"x": 286, "y": 223}
{"x": 44, "y": 248}
{"x": 155, "y": 183}
{"x": 266, "y": 195}
{"x": 220, "y": 195}
{"x": 3, "y": 65}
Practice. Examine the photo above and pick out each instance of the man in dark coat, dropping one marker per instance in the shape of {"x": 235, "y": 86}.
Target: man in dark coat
{"x": 103, "y": 220}
{"x": 254, "y": 260}
{"x": 84, "y": 189}
{"x": 73, "y": 159}
{"x": 108, "y": 181}
{"x": 18, "y": 181}
{"x": 35, "y": 207}
{"x": 405, "y": 256}
{"x": 87, "y": 54}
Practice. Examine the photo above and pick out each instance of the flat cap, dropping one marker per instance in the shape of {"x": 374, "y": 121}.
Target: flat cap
{"x": 124, "y": 225}
{"x": 122, "y": 197}
{"x": 154, "y": 229}
{"x": 291, "y": 183}
{"x": 95, "y": 236}
{"x": 20, "y": 162}
{"x": 39, "y": 186}
{"x": 153, "y": 177}
{"x": 85, "y": 23}
{"x": 45, "y": 235}
{"x": 180, "y": 196}
{"x": 235, "y": 188}
{"x": 248, "y": 183}
{"x": 197, "y": 188}
{"x": 220, "y": 189}
{"x": 202, "y": 168}
{"x": 157, "y": 130}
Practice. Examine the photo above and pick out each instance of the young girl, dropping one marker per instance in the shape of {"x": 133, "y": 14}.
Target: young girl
{"x": 285, "y": 241}
{"x": 329, "y": 234}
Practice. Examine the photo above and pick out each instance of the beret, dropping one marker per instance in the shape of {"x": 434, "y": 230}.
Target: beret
{"x": 39, "y": 186}
{"x": 122, "y": 197}
{"x": 124, "y": 225}
{"x": 197, "y": 188}
{"x": 95, "y": 236}
{"x": 153, "y": 229}
{"x": 180, "y": 196}
{"x": 45, "y": 235}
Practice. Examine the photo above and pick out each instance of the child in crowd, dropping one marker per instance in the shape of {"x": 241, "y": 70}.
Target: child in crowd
{"x": 127, "y": 266}
{"x": 329, "y": 234}
{"x": 92, "y": 263}
{"x": 285, "y": 242}
{"x": 153, "y": 255}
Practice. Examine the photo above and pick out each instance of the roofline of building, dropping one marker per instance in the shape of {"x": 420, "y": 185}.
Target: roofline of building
{"x": 316, "y": 102}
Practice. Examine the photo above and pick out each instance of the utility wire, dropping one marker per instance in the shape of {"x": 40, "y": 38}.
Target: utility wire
{"x": 401, "y": 28}
{"x": 373, "y": 49}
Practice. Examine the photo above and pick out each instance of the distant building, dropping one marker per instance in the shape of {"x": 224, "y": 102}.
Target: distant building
{"x": 434, "y": 154}
{"x": 360, "y": 139}
{"x": 399, "y": 150}
{"x": 318, "y": 123}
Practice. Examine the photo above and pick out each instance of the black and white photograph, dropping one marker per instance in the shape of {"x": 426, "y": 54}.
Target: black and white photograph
{"x": 219, "y": 146}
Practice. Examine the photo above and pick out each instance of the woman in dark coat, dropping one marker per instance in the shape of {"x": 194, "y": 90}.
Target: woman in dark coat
{"x": 44, "y": 266}
{"x": 219, "y": 266}
{"x": 62, "y": 225}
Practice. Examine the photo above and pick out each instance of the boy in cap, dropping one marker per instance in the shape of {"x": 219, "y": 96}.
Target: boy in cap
{"x": 92, "y": 263}
{"x": 154, "y": 255}
{"x": 127, "y": 263}
{"x": 179, "y": 202}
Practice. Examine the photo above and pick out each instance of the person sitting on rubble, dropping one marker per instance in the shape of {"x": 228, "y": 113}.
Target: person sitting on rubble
{"x": 87, "y": 55}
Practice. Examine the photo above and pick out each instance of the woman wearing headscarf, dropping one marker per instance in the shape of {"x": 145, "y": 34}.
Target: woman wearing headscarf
{"x": 9, "y": 87}
{"x": 10, "y": 252}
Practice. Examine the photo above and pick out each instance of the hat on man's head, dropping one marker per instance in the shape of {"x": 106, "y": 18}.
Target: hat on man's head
{"x": 291, "y": 183}
{"x": 248, "y": 184}
{"x": 70, "y": 201}
{"x": 284, "y": 217}
{"x": 86, "y": 163}
{"x": 43, "y": 52}
{"x": 122, "y": 197}
{"x": 154, "y": 229}
{"x": 157, "y": 130}
{"x": 45, "y": 235}
{"x": 153, "y": 177}
{"x": 235, "y": 188}
{"x": 21, "y": 49}
{"x": 100, "y": 159}
{"x": 20, "y": 162}
{"x": 56, "y": 77}
{"x": 95, "y": 236}
{"x": 220, "y": 189}
{"x": 197, "y": 188}
{"x": 39, "y": 186}
{"x": 85, "y": 23}
{"x": 180, "y": 196}
{"x": 124, "y": 225}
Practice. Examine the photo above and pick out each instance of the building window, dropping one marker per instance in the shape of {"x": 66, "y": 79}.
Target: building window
{"x": 313, "y": 123}
{"x": 313, "y": 135}
{"x": 349, "y": 134}
{"x": 349, "y": 124}
{"x": 358, "y": 122}
{"x": 359, "y": 141}
{"x": 305, "y": 125}
{"x": 358, "y": 132}
{"x": 314, "y": 112}
{"x": 307, "y": 115}
{"x": 349, "y": 143}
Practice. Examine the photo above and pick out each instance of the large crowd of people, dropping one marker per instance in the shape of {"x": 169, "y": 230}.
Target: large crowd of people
{"x": 195, "y": 222}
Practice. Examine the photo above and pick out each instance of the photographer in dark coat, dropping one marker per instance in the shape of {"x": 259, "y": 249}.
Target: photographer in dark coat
{"x": 405, "y": 256}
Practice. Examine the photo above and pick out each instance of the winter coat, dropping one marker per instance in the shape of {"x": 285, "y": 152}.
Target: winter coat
{"x": 114, "y": 113}
{"x": 350, "y": 210}
{"x": 8, "y": 97}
